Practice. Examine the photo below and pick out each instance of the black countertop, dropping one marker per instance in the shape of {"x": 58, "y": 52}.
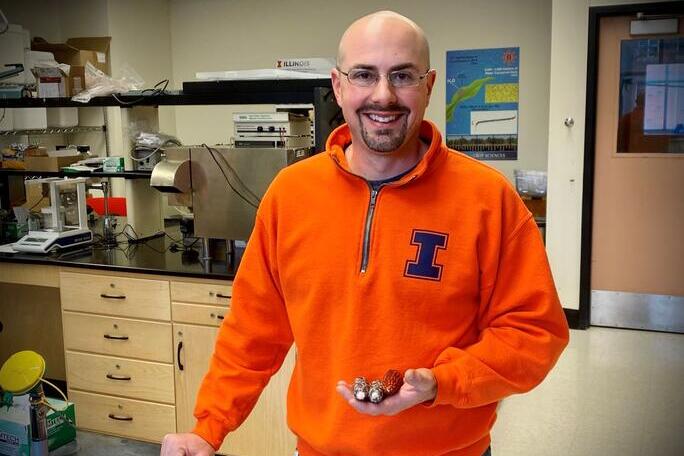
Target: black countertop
{"x": 155, "y": 256}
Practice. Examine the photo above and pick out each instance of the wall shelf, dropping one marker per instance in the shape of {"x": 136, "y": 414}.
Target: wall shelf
{"x": 52, "y": 131}
{"x": 123, "y": 174}
{"x": 280, "y": 91}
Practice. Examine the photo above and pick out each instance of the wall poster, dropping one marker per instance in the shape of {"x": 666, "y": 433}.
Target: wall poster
{"x": 482, "y": 102}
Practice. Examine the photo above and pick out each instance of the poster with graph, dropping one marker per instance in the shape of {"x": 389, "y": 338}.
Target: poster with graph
{"x": 482, "y": 102}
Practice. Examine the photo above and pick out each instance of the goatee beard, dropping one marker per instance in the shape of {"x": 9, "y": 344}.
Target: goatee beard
{"x": 384, "y": 140}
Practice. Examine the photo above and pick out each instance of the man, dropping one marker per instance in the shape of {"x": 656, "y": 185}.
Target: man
{"x": 388, "y": 251}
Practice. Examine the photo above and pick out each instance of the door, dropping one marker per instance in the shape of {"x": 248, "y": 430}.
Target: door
{"x": 637, "y": 261}
{"x": 265, "y": 431}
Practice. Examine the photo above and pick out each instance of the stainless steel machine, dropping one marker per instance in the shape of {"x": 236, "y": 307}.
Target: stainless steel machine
{"x": 222, "y": 185}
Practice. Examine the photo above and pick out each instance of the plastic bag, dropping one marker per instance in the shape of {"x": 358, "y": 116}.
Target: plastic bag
{"x": 100, "y": 85}
{"x": 155, "y": 140}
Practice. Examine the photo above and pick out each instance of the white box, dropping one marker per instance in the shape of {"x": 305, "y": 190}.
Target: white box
{"x": 30, "y": 118}
{"x": 62, "y": 117}
{"x": 7, "y": 122}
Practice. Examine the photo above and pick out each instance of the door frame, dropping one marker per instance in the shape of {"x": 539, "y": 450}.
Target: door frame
{"x": 581, "y": 318}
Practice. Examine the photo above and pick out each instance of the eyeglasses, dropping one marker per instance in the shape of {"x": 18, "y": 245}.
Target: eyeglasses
{"x": 399, "y": 79}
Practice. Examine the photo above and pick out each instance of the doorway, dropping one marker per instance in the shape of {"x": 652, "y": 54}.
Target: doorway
{"x": 632, "y": 272}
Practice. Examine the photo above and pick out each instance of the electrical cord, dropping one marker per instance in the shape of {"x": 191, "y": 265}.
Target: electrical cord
{"x": 153, "y": 92}
{"x": 236, "y": 177}
{"x": 43, "y": 196}
{"x": 62, "y": 412}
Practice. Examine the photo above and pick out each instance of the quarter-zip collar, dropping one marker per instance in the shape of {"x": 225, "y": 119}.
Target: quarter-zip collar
{"x": 340, "y": 138}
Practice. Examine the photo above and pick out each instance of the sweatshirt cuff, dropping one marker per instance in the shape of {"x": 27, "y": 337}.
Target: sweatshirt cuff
{"x": 449, "y": 387}
{"x": 211, "y": 431}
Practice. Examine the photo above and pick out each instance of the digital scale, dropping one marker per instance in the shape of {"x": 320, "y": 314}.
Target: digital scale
{"x": 58, "y": 233}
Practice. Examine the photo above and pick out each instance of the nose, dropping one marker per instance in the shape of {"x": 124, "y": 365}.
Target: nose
{"x": 383, "y": 92}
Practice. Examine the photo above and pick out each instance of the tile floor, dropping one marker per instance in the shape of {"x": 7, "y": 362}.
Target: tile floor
{"x": 613, "y": 392}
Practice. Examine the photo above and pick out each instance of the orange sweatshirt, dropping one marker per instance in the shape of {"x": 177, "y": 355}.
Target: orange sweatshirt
{"x": 444, "y": 268}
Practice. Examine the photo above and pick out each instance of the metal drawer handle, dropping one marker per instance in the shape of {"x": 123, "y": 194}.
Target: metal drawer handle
{"x": 118, "y": 377}
{"x": 178, "y": 353}
{"x": 120, "y": 417}
{"x": 220, "y": 317}
{"x": 220, "y": 295}
{"x": 106, "y": 296}
{"x": 109, "y": 336}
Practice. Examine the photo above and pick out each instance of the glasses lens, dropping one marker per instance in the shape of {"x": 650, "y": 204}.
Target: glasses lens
{"x": 404, "y": 78}
{"x": 363, "y": 78}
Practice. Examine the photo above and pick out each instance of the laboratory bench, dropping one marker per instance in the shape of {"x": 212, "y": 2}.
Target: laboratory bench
{"x": 131, "y": 331}
{"x": 155, "y": 256}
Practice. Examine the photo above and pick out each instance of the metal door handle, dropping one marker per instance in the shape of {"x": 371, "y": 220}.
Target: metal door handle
{"x": 118, "y": 377}
{"x": 106, "y": 296}
{"x": 120, "y": 417}
{"x": 178, "y": 353}
{"x": 109, "y": 336}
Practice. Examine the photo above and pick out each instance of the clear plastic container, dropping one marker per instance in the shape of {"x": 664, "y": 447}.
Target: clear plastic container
{"x": 530, "y": 183}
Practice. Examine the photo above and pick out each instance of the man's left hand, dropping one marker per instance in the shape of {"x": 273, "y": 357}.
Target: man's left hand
{"x": 419, "y": 386}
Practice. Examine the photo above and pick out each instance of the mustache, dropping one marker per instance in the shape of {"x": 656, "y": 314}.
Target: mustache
{"x": 382, "y": 108}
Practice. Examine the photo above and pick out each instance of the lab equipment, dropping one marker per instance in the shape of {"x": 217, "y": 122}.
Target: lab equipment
{"x": 65, "y": 224}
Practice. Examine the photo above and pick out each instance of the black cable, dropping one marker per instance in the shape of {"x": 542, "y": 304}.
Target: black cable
{"x": 154, "y": 91}
{"x": 233, "y": 173}
{"x": 244, "y": 198}
{"x": 42, "y": 197}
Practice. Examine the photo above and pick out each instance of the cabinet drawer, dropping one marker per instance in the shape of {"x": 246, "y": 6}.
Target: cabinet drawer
{"x": 120, "y": 376}
{"x": 118, "y": 336}
{"x": 125, "y": 417}
{"x": 111, "y": 295}
{"x": 202, "y": 293}
{"x": 198, "y": 313}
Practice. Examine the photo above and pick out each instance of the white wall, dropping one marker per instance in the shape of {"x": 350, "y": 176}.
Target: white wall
{"x": 141, "y": 39}
{"x": 217, "y": 35}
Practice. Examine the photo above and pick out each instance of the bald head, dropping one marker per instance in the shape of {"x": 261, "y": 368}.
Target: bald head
{"x": 383, "y": 25}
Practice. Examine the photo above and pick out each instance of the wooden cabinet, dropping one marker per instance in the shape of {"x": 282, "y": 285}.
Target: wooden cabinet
{"x": 197, "y": 312}
{"x": 136, "y": 348}
{"x": 119, "y": 354}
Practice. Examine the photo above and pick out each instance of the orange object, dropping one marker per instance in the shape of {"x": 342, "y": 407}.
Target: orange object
{"x": 117, "y": 205}
{"x": 456, "y": 280}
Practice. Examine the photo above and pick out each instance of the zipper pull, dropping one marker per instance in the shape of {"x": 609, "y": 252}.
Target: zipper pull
{"x": 373, "y": 197}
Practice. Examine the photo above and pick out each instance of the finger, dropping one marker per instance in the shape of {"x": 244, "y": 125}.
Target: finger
{"x": 421, "y": 379}
{"x": 345, "y": 392}
{"x": 366, "y": 408}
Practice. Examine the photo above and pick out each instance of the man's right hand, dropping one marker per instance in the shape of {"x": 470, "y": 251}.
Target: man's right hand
{"x": 187, "y": 444}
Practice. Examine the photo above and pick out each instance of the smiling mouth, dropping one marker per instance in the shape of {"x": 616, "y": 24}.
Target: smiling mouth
{"x": 383, "y": 118}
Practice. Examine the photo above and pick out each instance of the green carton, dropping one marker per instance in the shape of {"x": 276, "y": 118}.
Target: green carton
{"x": 61, "y": 426}
{"x": 15, "y": 426}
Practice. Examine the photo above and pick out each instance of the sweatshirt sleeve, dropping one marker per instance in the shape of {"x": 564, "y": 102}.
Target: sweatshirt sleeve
{"x": 251, "y": 344}
{"x": 522, "y": 326}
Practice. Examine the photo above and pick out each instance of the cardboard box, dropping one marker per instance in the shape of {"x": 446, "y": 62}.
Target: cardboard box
{"x": 76, "y": 80}
{"x": 50, "y": 163}
{"x": 51, "y": 82}
{"x": 15, "y": 426}
{"x": 76, "y": 52}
